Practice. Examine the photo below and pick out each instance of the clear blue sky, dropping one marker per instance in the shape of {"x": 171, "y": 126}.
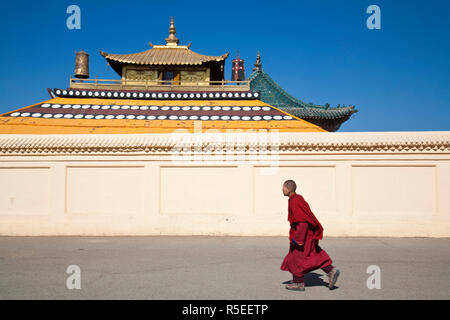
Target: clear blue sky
{"x": 319, "y": 51}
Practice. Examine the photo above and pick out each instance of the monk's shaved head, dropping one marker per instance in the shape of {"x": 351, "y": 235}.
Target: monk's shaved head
{"x": 290, "y": 185}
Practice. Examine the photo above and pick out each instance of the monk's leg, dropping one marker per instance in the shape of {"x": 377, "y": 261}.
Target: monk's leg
{"x": 332, "y": 273}
{"x": 328, "y": 268}
{"x": 298, "y": 283}
{"x": 298, "y": 279}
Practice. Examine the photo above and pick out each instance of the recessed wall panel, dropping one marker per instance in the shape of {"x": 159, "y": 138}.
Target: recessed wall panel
{"x": 105, "y": 190}
{"x": 393, "y": 191}
{"x": 25, "y": 190}
{"x": 192, "y": 190}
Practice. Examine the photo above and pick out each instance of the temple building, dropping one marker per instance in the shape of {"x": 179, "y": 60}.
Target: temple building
{"x": 124, "y": 157}
{"x": 162, "y": 89}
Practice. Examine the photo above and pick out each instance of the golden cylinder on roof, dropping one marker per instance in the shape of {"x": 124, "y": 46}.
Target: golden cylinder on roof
{"x": 81, "y": 65}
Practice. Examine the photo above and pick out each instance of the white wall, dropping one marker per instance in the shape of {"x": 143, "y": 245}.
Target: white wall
{"x": 392, "y": 193}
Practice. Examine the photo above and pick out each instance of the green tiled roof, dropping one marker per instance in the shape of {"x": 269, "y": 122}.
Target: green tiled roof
{"x": 273, "y": 94}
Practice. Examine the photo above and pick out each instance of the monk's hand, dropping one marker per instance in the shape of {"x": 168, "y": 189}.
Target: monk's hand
{"x": 295, "y": 243}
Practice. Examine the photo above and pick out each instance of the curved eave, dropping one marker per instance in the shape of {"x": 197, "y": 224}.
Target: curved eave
{"x": 327, "y": 114}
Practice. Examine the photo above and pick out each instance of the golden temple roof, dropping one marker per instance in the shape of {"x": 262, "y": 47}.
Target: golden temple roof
{"x": 162, "y": 55}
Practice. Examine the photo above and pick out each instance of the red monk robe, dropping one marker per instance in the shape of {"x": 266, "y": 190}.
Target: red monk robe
{"x": 306, "y": 230}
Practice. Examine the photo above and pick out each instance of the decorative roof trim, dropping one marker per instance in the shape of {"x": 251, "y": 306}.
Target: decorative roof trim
{"x": 152, "y": 95}
{"x": 100, "y": 112}
{"x": 283, "y": 142}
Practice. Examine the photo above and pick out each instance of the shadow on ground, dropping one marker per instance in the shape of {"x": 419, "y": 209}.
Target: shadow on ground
{"x": 313, "y": 279}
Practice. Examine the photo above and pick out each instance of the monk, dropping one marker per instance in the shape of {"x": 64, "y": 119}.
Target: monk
{"x": 304, "y": 254}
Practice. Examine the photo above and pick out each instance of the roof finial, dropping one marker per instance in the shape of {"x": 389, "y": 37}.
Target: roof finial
{"x": 258, "y": 65}
{"x": 172, "y": 40}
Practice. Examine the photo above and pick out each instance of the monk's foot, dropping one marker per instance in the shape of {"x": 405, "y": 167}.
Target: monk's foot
{"x": 297, "y": 286}
{"x": 332, "y": 277}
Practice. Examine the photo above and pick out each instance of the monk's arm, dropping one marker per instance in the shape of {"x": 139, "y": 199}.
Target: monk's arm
{"x": 300, "y": 233}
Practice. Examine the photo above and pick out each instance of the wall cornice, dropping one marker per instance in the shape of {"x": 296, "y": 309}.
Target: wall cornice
{"x": 283, "y": 142}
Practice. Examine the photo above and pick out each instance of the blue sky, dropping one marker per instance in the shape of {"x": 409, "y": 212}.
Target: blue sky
{"x": 319, "y": 51}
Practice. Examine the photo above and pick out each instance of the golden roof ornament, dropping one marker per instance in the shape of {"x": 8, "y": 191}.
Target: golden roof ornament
{"x": 172, "y": 40}
{"x": 258, "y": 65}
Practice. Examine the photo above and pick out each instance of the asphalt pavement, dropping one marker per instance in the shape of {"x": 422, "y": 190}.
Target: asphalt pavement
{"x": 207, "y": 267}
